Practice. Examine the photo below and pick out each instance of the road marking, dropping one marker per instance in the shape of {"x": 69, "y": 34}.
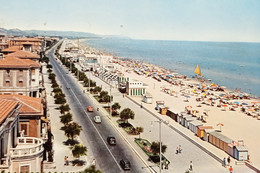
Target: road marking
{"x": 89, "y": 118}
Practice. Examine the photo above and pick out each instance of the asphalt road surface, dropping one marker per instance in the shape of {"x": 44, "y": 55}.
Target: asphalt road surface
{"x": 95, "y": 135}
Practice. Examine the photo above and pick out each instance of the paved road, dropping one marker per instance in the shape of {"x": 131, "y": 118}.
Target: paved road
{"x": 95, "y": 135}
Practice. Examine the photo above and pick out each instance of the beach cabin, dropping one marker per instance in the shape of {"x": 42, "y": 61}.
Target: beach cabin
{"x": 231, "y": 148}
{"x": 182, "y": 118}
{"x": 173, "y": 114}
{"x": 187, "y": 121}
{"x": 241, "y": 152}
{"x": 206, "y": 134}
{"x": 200, "y": 130}
{"x": 194, "y": 125}
{"x": 219, "y": 140}
{"x": 147, "y": 98}
{"x": 163, "y": 110}
{"x": 159, "y": 104}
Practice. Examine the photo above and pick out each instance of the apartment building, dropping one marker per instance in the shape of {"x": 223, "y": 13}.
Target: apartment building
{"x": 20, "y": 76}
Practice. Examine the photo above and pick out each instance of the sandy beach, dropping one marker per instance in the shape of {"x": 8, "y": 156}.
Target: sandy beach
{"x": 183, "y": 93}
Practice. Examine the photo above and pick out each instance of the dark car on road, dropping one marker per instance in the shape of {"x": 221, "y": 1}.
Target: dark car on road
{"x": 111, "y": 140}
{"x": 125, "y": 164}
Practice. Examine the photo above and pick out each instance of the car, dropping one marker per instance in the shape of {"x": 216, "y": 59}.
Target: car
{"x": 97, "y": 119}
{"x": 90, "y": 108}
{"x": 111, "y": 140}
{"x": 125, "y": 164}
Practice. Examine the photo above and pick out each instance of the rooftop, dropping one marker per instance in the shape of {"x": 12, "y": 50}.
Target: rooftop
{"x": 23, "y": 54}
{"x": 12, "y": 62}
{"x": 30, "y": 105}
{"x": 12, "y": 49}
{"x": 6, "y": 106}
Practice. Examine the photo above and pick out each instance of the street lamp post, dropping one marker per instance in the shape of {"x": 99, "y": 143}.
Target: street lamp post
{"x": 110, "y": 112}
{"x": 160, "y": 142}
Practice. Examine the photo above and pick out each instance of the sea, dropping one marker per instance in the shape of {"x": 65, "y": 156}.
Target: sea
{"x": 235, "y": 65}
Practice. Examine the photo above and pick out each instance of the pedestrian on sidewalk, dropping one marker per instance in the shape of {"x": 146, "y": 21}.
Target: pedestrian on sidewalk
{"x": 228, "y": 160}
{"x": 177, "y": 150}
{"x": 180, "y": 149}
{"x": 65, "y": 160}
{"x": 166, "y": 164}
{"x": 191, "y": 166}
{"x": 230, "y": 169}
{"x": 224, "y": 162}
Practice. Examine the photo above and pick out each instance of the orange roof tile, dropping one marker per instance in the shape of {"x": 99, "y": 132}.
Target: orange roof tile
{"x": 12, "y": 49}
{"x": 30, "y": 105}
{"x": 12, "y": 62}
{"x": 27, "y": 39}
{"x": 24, "y": 54}
{"x": 6, "y": 106}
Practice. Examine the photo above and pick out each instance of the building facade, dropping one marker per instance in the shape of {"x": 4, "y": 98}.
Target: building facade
{"x": 135, "y": 88}
{"x": 17, "y": 154}
{"x": 20, "y": 76}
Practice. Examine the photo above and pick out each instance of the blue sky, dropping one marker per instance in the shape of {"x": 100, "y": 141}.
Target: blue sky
{"x": 201, "y": 20}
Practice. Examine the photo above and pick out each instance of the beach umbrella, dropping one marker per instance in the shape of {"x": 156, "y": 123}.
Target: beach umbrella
{"x": 220, "y": 125}
{"x": 236, "y": 103}
{"x": 244, "y": 104}
{"x": 225, "y": 106}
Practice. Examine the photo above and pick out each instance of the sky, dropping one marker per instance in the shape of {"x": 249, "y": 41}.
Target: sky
{"x": 196, "y": 20}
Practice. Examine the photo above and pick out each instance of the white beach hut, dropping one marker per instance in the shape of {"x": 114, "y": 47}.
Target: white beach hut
{"x": 147, "y": 98}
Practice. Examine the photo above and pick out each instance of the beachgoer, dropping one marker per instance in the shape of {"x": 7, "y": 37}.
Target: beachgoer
{"x": 191, "y": 165}
{"x": 224, "y": 162}
{"x": 177, "y": 150}
{"x": 180, "y": 149}
{"x": 230, "y": 169}
{"x": 97, "y": 109}
{"x": 228, "y": 160}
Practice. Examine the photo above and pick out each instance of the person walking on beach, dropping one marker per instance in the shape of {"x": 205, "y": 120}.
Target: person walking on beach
{"x": 191, "y": 166}
{"x": 94, "y": 162}
{"x": 230, "y": 169}
{"x": 177, "y": 150}
{"x": 228, "y": 160}
{"x": 180, "y": 149}
{"x": 224, "y": 162}
{"x": 67, "y": 160}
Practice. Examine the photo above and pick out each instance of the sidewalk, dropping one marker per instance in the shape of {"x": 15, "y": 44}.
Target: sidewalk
{"x": 60, "y": 149}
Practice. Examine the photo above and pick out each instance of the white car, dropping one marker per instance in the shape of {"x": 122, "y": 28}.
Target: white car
{"x": 97, "y": 119}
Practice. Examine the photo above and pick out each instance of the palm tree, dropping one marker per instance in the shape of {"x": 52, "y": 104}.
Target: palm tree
{"x": 126, "y": 114}
{"x": 64, "y": 108}
{"x": 155, "y": 147}
{"x": 79, "y": 150}
{"x": 65, "y": 119}
{"x": 72, "y": 130}
{"x": 139, "y": 130}
{"x": 91, "y": 169}
{"x": 116, "y": 106}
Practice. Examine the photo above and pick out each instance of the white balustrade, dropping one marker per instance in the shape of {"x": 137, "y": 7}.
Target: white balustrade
{"x": 27, "y": 146}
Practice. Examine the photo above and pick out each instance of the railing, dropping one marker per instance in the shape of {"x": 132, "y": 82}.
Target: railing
{"x": 27, "y": 146}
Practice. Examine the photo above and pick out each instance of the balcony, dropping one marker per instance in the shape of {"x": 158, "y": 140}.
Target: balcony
{"x": 27, "y": 147}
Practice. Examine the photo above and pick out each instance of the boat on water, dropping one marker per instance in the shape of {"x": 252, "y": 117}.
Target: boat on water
{"x": 197, "y": 70}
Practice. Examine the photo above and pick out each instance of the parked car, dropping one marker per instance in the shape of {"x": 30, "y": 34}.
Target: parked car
{"x": 90, "y": 108}
{"x": 125, "y": 164}
{"x": 97, "y": 119}
{"x": 111, "y": 140}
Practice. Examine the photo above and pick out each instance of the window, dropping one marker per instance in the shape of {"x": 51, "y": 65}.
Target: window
{"x": 33, "y": 71}
{"x": 8, "y": 72}
{"x": 25, "y": 127}
{"x": 24, "y": 168}
{"x": 20, "y": 83}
